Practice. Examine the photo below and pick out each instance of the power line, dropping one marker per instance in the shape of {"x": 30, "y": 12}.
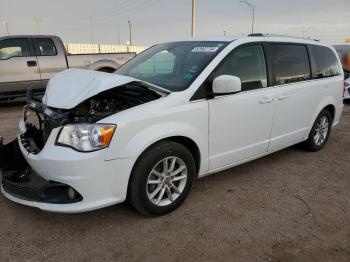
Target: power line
{"x": 91, "y": 30}
{"x": 193, "y": 26}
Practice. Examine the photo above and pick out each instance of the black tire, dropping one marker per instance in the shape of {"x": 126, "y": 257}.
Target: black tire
{"x": 106, "y": 70}
{"x": 310, "y": 144}
{"x": 138, "y": 187}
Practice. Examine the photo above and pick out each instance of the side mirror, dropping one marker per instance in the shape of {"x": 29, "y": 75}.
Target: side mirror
{"x": 226, "y": 84}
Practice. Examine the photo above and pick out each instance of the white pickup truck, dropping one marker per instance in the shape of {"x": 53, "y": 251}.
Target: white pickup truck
{"x": 30, "y": 61}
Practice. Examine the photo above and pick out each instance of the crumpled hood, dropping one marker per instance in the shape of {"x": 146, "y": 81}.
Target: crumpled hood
{"x": 69, "y": 88}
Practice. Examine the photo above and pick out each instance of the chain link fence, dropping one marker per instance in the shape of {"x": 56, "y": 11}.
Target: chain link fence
{"x": 75, "y": 48}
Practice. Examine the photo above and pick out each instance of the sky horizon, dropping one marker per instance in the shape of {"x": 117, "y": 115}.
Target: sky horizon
{"x": 156, "y": 21}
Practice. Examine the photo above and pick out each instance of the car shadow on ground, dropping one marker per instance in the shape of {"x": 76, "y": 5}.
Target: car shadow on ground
{"x": 124, "y": 210}
{"x": 13, "y": 103}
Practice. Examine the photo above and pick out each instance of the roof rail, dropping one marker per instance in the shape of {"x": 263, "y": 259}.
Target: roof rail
{"x": 276, "y": 35}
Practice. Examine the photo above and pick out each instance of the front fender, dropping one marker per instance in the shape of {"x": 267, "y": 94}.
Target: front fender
{"x": 152, "y": 134}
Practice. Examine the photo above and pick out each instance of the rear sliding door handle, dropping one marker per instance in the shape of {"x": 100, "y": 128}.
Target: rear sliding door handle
{"x": 31, "y": 63}
{"x": 266, "y": 100}
{"x": 283, "y": 97}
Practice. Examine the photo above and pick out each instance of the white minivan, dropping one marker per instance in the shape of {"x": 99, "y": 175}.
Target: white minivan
{"x": 174, "y": 113}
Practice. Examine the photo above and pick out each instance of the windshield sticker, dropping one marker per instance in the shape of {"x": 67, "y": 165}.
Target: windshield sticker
{"x": 205, "y": 49}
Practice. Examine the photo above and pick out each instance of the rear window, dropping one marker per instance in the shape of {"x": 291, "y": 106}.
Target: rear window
{"x": 46, "y": 47}
{"x": 327, "y": 64}
{"x": 291, "y": 63}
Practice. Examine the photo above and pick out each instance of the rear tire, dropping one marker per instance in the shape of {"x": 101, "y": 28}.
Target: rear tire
{"x": 161, "y": 178}
{"x": 106, "y": 70}
{"x": 320, "y": 132}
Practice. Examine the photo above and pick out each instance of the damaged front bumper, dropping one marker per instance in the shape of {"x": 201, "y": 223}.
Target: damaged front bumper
{"x": 20, "y": 181}
{"x": 60, "y": 179}
{"x": 29, "y": 186}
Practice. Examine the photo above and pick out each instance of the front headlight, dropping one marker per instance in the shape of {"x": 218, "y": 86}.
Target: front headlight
{"x": 86, "y": 137}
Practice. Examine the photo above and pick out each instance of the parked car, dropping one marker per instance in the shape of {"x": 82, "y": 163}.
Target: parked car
{"x": 341, "y": 50}
{"x": 347, "y": 89}
{"x": 30, "y": 61}
{"x": 344, "y": 55}
{"x": 176, "y": 112}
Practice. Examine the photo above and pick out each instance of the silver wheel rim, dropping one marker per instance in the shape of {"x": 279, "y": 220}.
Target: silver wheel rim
{"x": 166, "y": 181}
{"x": 321, "y": 130}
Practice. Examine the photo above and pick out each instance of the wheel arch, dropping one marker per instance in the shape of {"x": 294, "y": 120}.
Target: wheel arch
{"x": 101, "y": 64}
{"x": 183, "y": 140}
{"x": 187, "y": 142}
{"x": 331, "y": 109}
{"x": 327, "y": 103}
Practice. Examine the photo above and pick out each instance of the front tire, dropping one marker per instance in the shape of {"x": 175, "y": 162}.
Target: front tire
{"x": 161, "y": 178}
{"x": 320, "y": 132}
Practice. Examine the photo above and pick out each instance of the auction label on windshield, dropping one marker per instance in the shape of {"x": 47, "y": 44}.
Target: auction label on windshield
{"x": 205, "y": 49}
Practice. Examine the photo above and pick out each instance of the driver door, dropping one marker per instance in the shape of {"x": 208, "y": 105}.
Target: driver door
{"x": 18, "y": 66}
{"x": 240, "y": 124}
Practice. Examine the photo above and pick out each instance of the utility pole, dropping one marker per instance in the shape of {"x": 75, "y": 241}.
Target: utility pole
{"x": 91, "y": 30}
{"x": 7, "y": 27}
{"x": 130, "y": 33}
{"x": 252, "y": 8}
{"x": 193, "y": 28}
{"x": 118, "y": 35}
{"x": 224, "y": 32}
{"x": 37, "y": 21}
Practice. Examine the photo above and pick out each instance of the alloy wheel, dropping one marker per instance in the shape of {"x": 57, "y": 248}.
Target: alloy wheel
{"x": 166, "y": 181}
{"x": 321, "y": 130}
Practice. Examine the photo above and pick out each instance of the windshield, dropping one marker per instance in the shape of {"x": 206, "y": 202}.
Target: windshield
{"x": 173, "y": 66}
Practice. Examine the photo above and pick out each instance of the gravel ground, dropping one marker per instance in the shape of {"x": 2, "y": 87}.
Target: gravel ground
{"x": 289, "y": 206}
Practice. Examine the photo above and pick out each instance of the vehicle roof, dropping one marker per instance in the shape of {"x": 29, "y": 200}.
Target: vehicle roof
{"x": 28, "y": 36}
{"x": 260, "y": 37}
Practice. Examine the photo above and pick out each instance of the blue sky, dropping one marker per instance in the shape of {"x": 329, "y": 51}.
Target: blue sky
{"x": 165, "y": 20}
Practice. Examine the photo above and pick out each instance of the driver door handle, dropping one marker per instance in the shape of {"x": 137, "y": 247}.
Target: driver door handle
{"x": 31, "y": 63}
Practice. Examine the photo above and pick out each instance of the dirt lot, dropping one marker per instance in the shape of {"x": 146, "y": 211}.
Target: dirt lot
{"x": 289, "y": 206}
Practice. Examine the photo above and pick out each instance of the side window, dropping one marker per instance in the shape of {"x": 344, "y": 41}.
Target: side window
{"x": 247, "y": 63}
{"x": 327, "y": 64}
{"x": 46, "y": 47}
{"x": 14, "y": 47}
{"x": 161, "y": 63}
{"x": 290, "y": 62}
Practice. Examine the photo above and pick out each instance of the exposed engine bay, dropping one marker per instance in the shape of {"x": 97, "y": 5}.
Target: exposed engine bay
{"x": 91, "y": 110}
